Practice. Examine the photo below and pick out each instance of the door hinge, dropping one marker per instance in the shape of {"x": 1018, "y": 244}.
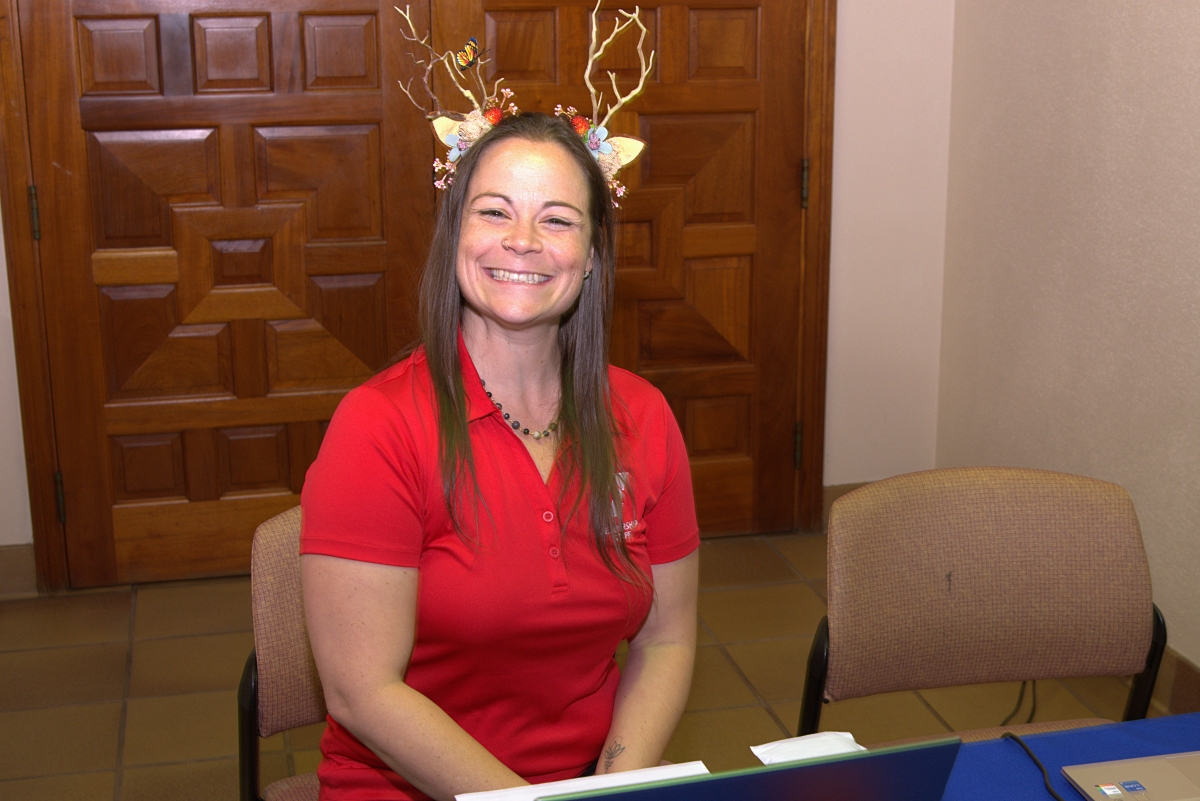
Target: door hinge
{"x": 34, "y": 217}
{"x": 60, "y": 497}
{"x": 804, "y": 184}
{"x": 799, "y": 453}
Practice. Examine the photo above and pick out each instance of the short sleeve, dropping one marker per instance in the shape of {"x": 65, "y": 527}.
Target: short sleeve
{"x": 362, "y": 496}
{"x": 671, "y": 529}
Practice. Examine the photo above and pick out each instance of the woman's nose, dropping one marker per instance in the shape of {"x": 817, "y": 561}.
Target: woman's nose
{"x": 523, "y": 238}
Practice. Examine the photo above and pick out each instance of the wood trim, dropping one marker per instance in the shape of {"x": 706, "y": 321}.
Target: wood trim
{"x": 814, "y": 292}
{"x": 779, "y": 268}
{"x": 821, "y": 36}
{"x": 29, "y": 325}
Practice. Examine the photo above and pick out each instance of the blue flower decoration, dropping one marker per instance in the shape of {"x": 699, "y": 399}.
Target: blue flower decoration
{"x": 596, "y": 143}
{"x": 457, "y": 146}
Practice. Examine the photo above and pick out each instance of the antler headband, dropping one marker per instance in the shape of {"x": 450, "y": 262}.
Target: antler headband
{"x": 459, "y": 131}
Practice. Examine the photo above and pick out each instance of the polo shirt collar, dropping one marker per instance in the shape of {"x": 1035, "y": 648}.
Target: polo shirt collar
{"x": 479, "y": 405}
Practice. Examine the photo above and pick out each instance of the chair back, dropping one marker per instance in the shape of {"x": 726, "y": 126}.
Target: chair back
{"x": 289, "y": 690}
{"x": 984, "y": 574}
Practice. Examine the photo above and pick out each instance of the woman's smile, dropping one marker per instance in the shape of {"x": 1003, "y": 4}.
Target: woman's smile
{"x": 517, "y": 278}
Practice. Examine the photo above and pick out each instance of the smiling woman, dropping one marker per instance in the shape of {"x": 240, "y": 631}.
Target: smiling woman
{"x": 491, "y": 516}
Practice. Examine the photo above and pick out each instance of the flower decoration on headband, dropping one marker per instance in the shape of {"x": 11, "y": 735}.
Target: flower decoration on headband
{"x": 459, "y": 131}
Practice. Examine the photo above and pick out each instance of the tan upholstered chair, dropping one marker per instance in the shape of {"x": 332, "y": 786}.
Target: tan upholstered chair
{"x": 280, "y": 688}
{"x": 984, "y": 574}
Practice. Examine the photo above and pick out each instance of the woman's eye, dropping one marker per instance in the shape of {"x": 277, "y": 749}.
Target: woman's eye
{"x": 494, "y": 214}
{"x": 559, "y": 222}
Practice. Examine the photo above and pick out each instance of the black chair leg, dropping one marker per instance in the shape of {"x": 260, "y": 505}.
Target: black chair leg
{"x": 248, "y": 731}
{"x": 814, "y": 680}
{"x": 1143, "y": 683}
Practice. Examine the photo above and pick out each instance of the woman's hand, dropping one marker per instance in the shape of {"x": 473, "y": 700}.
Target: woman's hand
{"x": 658, "y": 672}
{"x": 361, "y": 622}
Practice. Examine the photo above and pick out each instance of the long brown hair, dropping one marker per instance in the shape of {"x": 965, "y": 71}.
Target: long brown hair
{"x": 588, "y": 432}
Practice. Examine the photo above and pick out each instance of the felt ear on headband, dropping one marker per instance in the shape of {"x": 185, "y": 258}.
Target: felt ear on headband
{"x": 628, "y": 148}
{"x": 446, "y": 130}
{"x": 459, "y": 131}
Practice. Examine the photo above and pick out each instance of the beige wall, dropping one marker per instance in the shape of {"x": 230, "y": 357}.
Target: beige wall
{"x": 891, "y": 129}
{"x": 15, "y": 525}
{"x": 1071, "y": 327}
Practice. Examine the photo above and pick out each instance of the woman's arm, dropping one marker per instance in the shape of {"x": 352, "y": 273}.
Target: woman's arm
{"x": 361, "y": 622}
{"x": 658, "y": 672}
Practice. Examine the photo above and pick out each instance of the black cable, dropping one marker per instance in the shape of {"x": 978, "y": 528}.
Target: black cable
{"x": 1045, "y": 776}
{"x": 1017, "y": 708}
{"x": 1033, "y": 709}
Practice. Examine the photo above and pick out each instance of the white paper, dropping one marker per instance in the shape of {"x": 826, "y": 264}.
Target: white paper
{"x": 604, "y": 781}
{"x": 810, "y": 746}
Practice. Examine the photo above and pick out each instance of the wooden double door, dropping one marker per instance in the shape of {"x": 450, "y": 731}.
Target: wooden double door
{"x": 235, "y": 204}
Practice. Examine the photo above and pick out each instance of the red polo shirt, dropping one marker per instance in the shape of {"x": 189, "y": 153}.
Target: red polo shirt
{"x": 516, "y": 630}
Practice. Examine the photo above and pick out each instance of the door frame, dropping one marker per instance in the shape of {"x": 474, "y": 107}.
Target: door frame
{"x": 814, "y": 281}
{"x": 29, "y": 325}
{"x": 30, "y": 335}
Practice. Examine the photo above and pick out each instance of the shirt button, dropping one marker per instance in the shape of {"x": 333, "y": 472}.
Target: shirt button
{"x": 548, "y": 516}
{"x": 554, "y": 552}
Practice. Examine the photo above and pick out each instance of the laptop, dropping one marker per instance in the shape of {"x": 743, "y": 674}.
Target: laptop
{"x": 1172, "y": 777}
{"x": 904, "y": 773}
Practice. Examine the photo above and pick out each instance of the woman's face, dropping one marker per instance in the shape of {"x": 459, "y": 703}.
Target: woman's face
{"x": 525, "y": 239}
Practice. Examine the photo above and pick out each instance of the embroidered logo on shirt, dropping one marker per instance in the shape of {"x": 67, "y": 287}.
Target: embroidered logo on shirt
{"x": 623, "y": 487}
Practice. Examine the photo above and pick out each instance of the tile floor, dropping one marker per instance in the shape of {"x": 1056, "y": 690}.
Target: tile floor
{"x": 129, "y": 694}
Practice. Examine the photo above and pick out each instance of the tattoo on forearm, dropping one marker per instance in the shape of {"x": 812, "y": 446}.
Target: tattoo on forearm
{"x": 611, "y": 753}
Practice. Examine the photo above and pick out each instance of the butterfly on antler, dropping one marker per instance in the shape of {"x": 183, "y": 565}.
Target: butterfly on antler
{"x": 459, "y": 131}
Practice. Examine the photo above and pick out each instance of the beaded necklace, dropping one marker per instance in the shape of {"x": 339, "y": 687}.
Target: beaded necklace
{"x": 516, "y": 425}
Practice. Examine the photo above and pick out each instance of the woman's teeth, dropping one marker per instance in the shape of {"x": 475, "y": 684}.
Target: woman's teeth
{"x": 519, "y": 278}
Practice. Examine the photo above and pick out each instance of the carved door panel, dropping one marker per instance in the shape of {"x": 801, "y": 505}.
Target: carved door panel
{"x": 235, "y": 205}
{"x": 708, "y": 296}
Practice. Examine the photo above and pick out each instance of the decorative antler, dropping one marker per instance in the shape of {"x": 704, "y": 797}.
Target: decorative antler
{"x": 456, "y": 131}
{"x": 596, "y": 52}
{"x": 447, "y": 60}
{"x": 421, "y": 62}
{"x": 459, "y": 131}
{"x": 615, "y": 152}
